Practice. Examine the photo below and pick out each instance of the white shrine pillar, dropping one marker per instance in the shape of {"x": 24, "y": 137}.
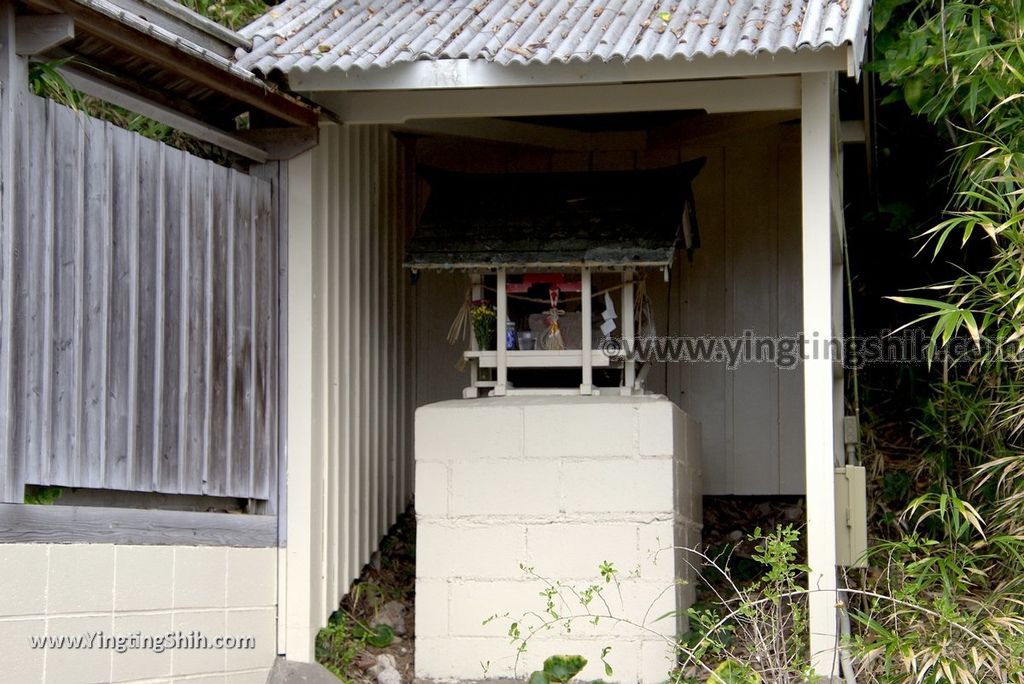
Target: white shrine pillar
{"x": 817, "y": 113}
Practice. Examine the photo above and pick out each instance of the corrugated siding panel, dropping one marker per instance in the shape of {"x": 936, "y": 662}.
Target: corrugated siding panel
{"x": 341, "y": 35}
{"x": 146, "y": 285}
{"x": 361, "y": 351}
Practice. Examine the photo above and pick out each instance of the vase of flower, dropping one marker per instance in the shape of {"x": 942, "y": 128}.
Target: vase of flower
{"x": 484, "y": 324}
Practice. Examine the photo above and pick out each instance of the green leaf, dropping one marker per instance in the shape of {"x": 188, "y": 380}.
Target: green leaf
{"x": 934, "y": 303}
{"x": 883, "y": 10}
{"x": 972, "y": 328}
{"x": 607, "y": 667}
{"x": 43, "y": 496}
{"x": 539, "y": 677}
{"x": 734, "y": 672}
{"x": 562, "y": 668}
{"x": 913, "y": 93}
{"x": 380, "y": 636}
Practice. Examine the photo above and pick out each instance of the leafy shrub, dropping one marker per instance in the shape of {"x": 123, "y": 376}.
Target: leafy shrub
{"x": 231, "y": 13}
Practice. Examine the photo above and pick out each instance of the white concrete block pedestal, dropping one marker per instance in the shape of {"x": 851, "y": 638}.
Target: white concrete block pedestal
{"x": 559, "y": 485}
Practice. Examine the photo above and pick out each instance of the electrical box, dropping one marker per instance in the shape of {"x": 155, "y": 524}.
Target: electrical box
{"x": 851, "y": 517}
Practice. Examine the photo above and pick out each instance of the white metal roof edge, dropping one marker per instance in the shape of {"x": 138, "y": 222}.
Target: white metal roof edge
{"x": 475, "y": 73}
{"x": 860, "y": 42}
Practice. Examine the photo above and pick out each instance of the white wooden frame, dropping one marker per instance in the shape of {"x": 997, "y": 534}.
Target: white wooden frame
{"x": 778, "y": 93}
{"x": 501, "y": 316}
{"x": 586, "y": 333}
{"x": 628, "y": 330}
{"x": 818, "y": 117}
{"x": 501, "y": 359}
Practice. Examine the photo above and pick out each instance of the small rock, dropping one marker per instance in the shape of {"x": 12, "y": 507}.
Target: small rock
{"x": 385, "y": 661}
{"x": 385, "y": 670}
{"x": 736, "y": 536}
{"x": 389, "y": 676}
{"x": 391, "y": 614}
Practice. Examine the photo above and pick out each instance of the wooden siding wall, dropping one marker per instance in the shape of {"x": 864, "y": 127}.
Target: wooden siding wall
{"x": 745, "y": 276}
{"x": 360, "y": 361}
{"x": 143, "y": 337}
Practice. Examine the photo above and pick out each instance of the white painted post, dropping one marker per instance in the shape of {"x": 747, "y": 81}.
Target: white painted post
{"x": 816, "y": 152}
{"x": 476, "y": 294}
{"x": 303, "y": 522}
{"x": 629, "y": 372}
{"x": 499, "y": 332}
{"x": 586, "y": 305}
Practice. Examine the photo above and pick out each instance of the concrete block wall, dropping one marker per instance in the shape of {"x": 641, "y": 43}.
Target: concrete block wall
{"x": 80, "y": 589}
{"x": 560, "y": 485}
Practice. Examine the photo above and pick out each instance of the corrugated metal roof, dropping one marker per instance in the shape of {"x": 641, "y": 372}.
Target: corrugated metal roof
{"x": 345, "y": 35}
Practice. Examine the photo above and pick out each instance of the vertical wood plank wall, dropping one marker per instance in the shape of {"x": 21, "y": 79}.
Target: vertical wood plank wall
{"x": 144, "y": 332}
{"x": 745, "y": 276}
{"x": 360, "y": 364}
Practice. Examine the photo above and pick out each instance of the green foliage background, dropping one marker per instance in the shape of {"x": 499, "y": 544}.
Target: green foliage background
{"x": 952, "y": 563}
{"x": 231, "y": 13}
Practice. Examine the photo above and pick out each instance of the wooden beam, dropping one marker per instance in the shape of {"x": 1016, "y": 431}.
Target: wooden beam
{"x": 88, "y": 66}
{"x": 520, "y": 133}
{"x": 93, "y": 85}
{"x": 399, "y": 107}
{"x": 707, "y": 129}
{"x": 818, "y": 96}
{"x": 23, "y": 523}
{"x": 282, "y": 143}
{"x": 35, "y": 34}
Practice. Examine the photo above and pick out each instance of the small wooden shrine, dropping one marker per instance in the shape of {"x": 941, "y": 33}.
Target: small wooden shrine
{"x": 556, "y": 265}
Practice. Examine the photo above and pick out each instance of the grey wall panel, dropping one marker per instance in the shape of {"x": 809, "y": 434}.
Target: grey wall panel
{"x": 145, "y": 301}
